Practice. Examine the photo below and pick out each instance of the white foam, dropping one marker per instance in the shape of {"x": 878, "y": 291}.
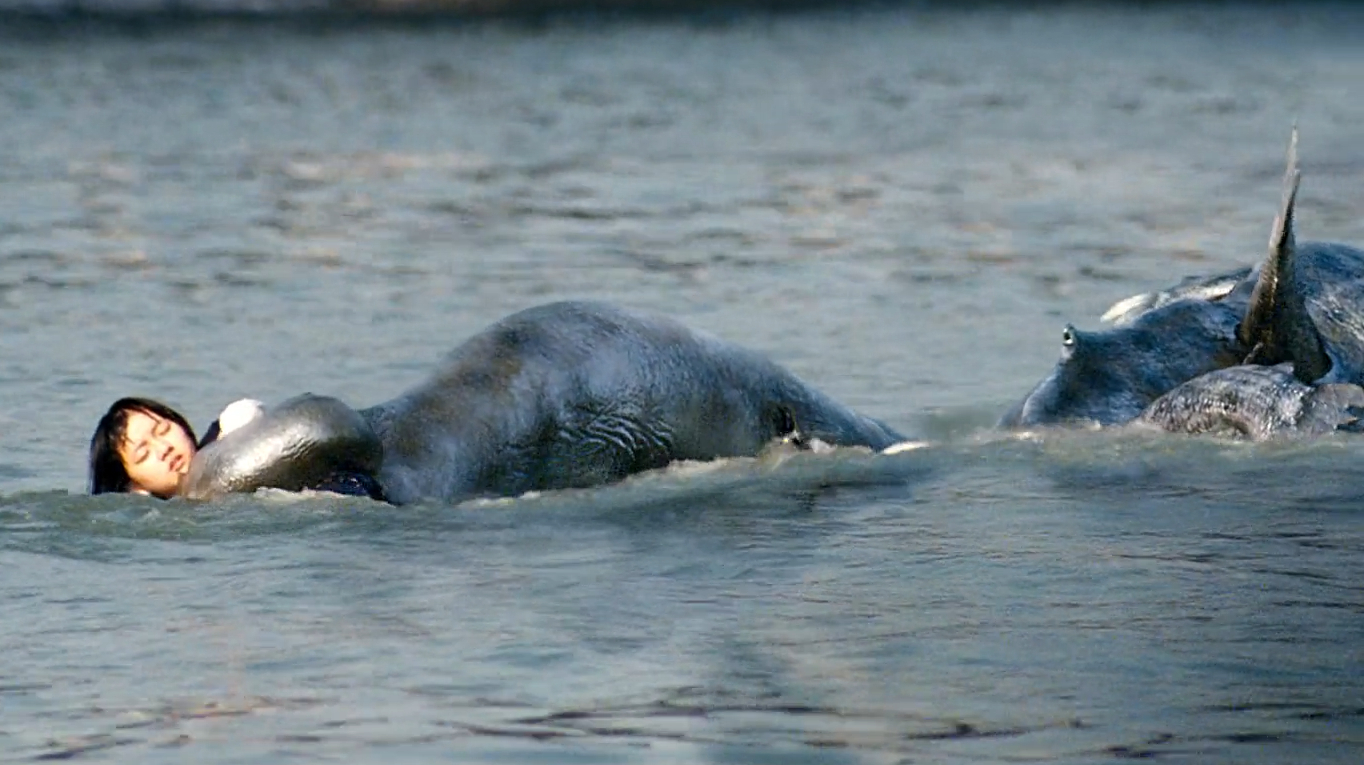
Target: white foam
{"x": 904, "y": 446}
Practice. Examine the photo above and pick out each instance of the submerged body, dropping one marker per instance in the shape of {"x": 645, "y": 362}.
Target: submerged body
{"x": 1257, "y": 403}
{"x": 567, "y": 395}
{"x": 576, "y": 394}
{"x": 307, "y": 442}
{"x": 1110, "y": 377}
{"x": 1303, "y": 307}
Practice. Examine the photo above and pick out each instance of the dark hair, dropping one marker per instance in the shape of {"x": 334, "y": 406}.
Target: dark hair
{"x": 214, "y": 430}
{"x": 107, "y": 472}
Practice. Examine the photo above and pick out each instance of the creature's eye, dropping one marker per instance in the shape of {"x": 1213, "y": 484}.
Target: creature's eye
{"x": 1068, "y": 337}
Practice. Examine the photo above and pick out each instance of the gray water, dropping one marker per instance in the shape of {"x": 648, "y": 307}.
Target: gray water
{"x": 903, "y": 206}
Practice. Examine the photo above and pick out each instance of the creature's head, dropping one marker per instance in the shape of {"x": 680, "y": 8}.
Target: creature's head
{"x": 1109, "y": 377}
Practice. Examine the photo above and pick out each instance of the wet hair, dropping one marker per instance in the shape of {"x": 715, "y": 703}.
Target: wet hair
{"x": 214, "y": 430}
{"x": 108, "y": 475}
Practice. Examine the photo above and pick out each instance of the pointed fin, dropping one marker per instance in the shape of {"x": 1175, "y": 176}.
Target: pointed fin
{"x": 1277, "y": 327}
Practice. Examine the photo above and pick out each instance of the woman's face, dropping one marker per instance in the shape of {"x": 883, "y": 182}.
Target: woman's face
{"x": 156, "y": 452}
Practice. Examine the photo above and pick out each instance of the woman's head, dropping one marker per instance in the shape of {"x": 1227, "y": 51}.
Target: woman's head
{"x": 140, "y": 446}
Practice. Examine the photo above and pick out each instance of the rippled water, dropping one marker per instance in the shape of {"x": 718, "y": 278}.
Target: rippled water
{"x": 904, "y": 206}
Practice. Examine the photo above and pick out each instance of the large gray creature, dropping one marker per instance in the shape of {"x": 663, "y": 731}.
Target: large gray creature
{"x": 1304, "y": 306}
{"x": 562, "y": 395}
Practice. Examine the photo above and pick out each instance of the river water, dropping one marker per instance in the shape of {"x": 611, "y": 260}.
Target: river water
{"x": 903, "y": 205}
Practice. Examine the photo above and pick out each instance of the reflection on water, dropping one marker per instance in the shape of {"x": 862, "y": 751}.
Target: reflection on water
{"x": 904, "y": 206}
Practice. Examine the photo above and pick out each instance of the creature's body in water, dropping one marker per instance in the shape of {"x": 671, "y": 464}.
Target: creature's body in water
{"x": 565, "y": 395}
{"x": 1111, "y": 377}
{"x": 1257, "y": 403}
{"x": 1303, "y": 307}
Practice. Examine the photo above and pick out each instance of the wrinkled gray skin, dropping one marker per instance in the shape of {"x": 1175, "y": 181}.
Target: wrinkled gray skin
{"x": 1257, "y": 403}
{"x": 1304, "y": 306}
{"x": 569, "y": 395}
{"x": 575, "y": 394}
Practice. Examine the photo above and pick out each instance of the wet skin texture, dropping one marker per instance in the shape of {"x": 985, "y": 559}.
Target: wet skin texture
{"x": 1305, "y": 337}
{"x": 1110, "y": 377}
{"x": 562, "y": 395}
{"x": 1302, "y": 308}
{"x": 1330, "y": 279}
{"x": 576, "y": 394}
{"x": 307, "y": 442}
{"x": 1256, "y": 403}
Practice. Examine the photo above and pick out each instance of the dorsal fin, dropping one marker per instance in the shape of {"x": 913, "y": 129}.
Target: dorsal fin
{"x": 1277, "y": 327}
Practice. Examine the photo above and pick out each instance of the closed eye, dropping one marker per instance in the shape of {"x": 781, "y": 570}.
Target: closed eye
{"x": 162, "y": 428}
{"x": 140, "y": 453}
